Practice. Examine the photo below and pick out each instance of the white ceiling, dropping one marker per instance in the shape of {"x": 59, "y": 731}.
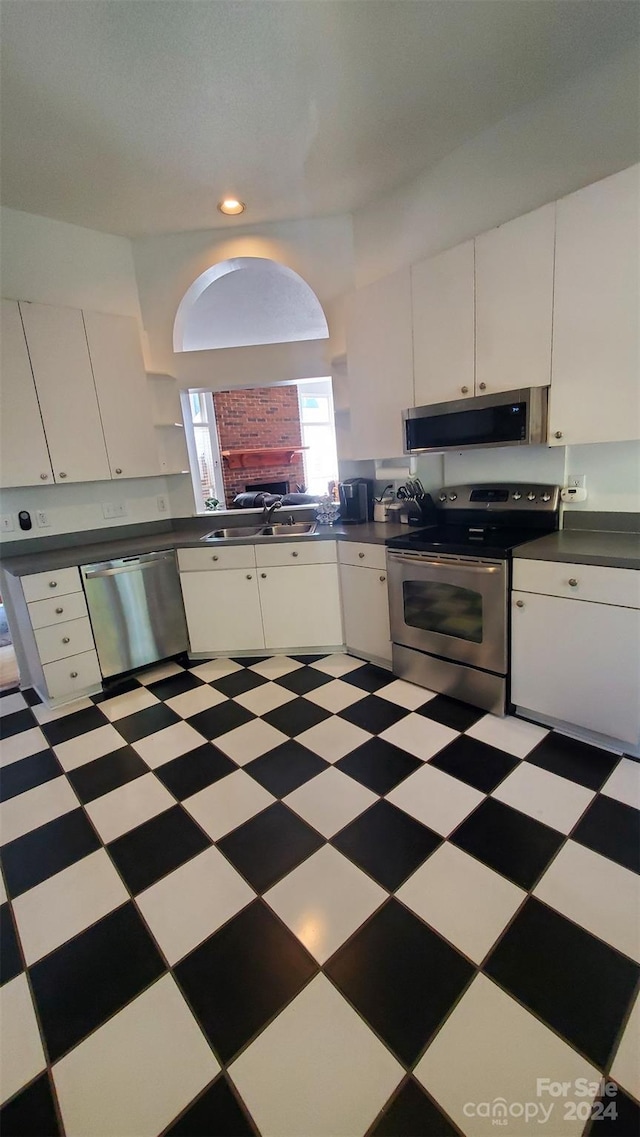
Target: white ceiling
{"x": 137, "y": 116}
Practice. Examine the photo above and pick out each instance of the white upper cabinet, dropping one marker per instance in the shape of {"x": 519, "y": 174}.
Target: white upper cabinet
{"x": 66, "y": 392}
{"x": 514, "y": 303}
{"x": 24, "y": 458}
{"x": 123, "y": 394}
{"x": 442, "y": 293}
{"x": 380, "y": 357}
{"x": 595, "y": 392}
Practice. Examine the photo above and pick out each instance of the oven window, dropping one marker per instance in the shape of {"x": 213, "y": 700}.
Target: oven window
{"x": 443, "y": 608}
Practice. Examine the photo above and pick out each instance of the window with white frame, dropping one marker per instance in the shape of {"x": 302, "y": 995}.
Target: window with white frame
{"x": 203, "y": 446}
{"x": 318, "y": 434}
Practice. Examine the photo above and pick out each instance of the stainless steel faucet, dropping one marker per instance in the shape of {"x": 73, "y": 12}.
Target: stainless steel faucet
{"x": 268, "y": 512}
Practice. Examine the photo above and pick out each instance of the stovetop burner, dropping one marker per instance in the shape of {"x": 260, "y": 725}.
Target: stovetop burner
{"x": 485, "y": 520}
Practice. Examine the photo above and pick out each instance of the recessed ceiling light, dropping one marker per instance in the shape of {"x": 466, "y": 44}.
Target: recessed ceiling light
{"x": 231, "y": 206}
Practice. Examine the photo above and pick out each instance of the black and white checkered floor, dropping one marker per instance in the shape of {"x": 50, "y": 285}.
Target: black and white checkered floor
{"x": 297, "y": 897}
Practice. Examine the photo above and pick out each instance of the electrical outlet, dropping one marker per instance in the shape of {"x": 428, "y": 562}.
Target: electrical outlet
{"x": 163, "y": 505}
{"x": 577, "y": 481}
{"x": 112, "y": 509}
{"x": 7, "y": 524}
{"x": 42, "y": 518}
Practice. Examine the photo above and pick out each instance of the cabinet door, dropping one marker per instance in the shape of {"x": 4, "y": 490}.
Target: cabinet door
{"x": 123, "y": 395}
{"x": 578, "y": 662}
{"x": 380, "y": 361}
{"x": 514, "y": 303}
{"x": 300, "y": 606}
{"x": 66, "y": 392}
{"x": 223, "y": 610}
{"x": 365, "y": 605}
{"x": 442, "y": 292}
{"x": 594, "y": 392}
{"x": 24, "y": 458}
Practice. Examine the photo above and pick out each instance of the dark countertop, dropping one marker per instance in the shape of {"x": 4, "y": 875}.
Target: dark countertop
{"x": 183, "y": 533}
{"x": 585, "y": 547}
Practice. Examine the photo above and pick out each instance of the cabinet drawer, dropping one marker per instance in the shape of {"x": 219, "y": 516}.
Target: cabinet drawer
{"x": 62, "y": 640}
{"x": 57, "y": 610}
{"x": 73, "y": 675}
{"x": 368, "y": 556}
{"x": 59, "y": 582}
{"x": 579, "y": 582}
{"x": 296, "y": 553}
{"x": 222, "y": 557}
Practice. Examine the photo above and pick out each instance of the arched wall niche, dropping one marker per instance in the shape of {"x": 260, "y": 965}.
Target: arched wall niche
{"x": 246, "y": 302}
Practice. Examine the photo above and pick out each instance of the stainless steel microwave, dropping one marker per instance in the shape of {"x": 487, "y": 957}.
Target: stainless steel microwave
{"x": 510, "y": 418}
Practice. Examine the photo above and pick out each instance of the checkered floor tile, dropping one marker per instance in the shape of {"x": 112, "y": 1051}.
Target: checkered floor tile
{"x": 301, "y": 898}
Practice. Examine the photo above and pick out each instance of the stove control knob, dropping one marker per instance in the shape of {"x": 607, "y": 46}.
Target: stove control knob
{"x": 453, "y": 497}
{"x": 546, "y": 497}
{"x": 443, "y": 497}
{"x": 531, "y": 496}
{"x": 517, "y": 495}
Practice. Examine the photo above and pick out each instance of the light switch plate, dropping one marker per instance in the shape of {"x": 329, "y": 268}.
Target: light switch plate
{"x": 112, "y": 509}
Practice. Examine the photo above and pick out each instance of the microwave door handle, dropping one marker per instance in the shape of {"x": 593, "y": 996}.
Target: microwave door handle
{"x": 459, "y": 566}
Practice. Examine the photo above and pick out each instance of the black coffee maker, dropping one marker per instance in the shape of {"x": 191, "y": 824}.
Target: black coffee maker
{"x": 356, "y": 500}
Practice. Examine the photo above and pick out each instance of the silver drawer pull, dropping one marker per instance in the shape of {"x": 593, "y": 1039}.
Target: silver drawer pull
{"x": 263, "y": 575}
{"x": 361, "y": 555}
{"x": 519, "y": 603}
{"x": 558, "y": 434}
{"x": 214, "y": 558}
{"x": 383, "y": 578}
{"x": 483, "y": 386}
{"x": 573, "y": 582}
{"x": 294, "y": 554}
{"x": 118, "y": 470}
{"x": 59, "y": 611}
{"x": 464, "y": 390}
{"x": 53, "y": 584}
{"x": 43, "y": 477}
{"x": 66, "y": 639}
{"x": 249, "y": 576}
{"x": 73, "y": 674}
{"x": 62, "y": 474}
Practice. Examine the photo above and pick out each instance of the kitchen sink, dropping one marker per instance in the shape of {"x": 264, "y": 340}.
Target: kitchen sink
{"x": 298, "y": 529}
{"x": 235, "y": 532}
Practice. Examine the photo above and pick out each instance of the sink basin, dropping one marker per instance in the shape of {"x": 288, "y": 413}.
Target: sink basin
{"x": 234, "y": 531}
{"x": 299, "y": 529}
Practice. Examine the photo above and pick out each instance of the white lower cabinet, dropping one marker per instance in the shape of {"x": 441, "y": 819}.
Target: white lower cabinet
{"x": 300, "y": 606}
{"x": 286, "y": 602}
{"x": 577, "y": 661}
{"x": 223, "y": 610}
{"x": 366, "y": 611}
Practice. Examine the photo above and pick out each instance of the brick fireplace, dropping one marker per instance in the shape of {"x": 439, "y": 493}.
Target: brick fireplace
{"x": 262, "y": 417}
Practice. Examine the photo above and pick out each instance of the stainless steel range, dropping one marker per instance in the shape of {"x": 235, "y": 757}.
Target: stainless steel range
{"x": 449, "y": 587}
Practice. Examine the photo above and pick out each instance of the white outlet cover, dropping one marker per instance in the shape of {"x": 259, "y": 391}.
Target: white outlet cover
{"x": 7, "y": 523}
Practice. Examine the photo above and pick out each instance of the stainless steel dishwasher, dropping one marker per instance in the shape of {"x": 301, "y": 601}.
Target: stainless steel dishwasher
{"x": 136, "y": 610}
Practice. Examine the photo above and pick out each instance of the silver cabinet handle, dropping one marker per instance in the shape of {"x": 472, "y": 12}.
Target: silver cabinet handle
{"x": 43, "y": 477}
{"x": 294, "y": 554}
{"x": 465, "y": 390}
{"x": 361, "y": 555}
{"x": 62, "y": 474}
{"x": 558, "y": 434}
{"x": 118, "y": 470}
{"x": 482, "y": 386}
{"x": 263, "y": 575}
{"x": 59, "y": 611}
{"x": 53, "y": 584}
{"x": 66, "y": 639}
{"x": 383, "y": 578}
{"x": 214, "y": 558}
{"x": 73, "y": 675}
{"x": 249, "y": 576}
{"x": 519, "y": 603}
{"x": 573, "y": 582}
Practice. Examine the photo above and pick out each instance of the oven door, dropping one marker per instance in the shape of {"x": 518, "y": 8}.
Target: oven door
{"x": 453, "y": 607}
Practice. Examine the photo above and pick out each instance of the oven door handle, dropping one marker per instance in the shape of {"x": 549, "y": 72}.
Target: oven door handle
{"x": 419, "y": 561}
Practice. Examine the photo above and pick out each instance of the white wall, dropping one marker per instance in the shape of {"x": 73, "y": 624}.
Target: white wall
{"x": 51, "y": 262}
{"x": 588, "y": 129}
{"x": 321, "y": 251}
